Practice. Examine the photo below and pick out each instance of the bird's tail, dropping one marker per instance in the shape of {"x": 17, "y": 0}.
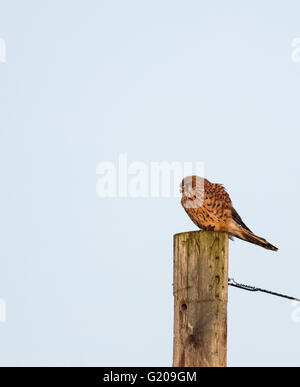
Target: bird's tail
{"x": 252, "y": 238}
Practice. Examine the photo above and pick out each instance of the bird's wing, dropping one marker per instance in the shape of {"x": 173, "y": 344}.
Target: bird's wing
{"x": 236, "y": 217}
{"x": 222, "y": 194}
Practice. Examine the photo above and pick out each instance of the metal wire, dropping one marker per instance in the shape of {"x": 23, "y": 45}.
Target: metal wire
{"x": 232, "y": 282}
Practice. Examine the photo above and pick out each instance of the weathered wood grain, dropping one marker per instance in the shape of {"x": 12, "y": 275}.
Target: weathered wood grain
{"x": 200, "y": 299}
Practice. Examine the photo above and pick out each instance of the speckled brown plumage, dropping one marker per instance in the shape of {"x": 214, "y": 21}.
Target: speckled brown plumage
{"x": 210, "y": 208}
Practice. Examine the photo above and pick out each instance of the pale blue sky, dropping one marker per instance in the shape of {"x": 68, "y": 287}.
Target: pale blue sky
{"x": 89, "y": 281}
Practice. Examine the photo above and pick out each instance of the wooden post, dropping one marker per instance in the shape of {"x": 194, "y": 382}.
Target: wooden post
{"x": 200, "y": 299}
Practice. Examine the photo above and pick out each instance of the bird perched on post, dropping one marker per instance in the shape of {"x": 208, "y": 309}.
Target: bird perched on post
{"x": 210, "y": 208}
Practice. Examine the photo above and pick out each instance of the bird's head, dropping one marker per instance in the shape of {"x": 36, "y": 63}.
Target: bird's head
{"x": 191, "y": 185}
{"x": 192, "y": 190}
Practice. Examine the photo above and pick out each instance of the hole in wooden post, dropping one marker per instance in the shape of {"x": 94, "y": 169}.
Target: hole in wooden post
{"x": 183, "y": 307}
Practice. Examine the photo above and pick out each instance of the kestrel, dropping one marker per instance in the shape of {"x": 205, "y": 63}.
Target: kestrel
{"x": 210, "y": 208}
